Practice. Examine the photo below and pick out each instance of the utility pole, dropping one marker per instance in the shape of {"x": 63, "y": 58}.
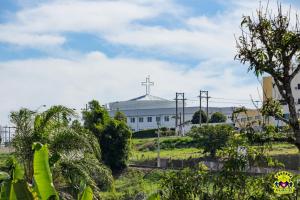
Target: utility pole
{"x": 200, "y": 109}
{"x": 205, "y": 92}
{"x": 176, "y": 100}
{"x": 180, "y": 97}
{"x": 183, "y": 100}
{"x": 158, "y": 146}
{"x": 207, "y": 107}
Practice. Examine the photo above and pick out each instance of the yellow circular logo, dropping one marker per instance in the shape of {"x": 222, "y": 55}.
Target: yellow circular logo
{"x": 284, "y": 183}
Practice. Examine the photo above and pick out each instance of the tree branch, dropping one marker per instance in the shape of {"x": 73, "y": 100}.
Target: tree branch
{"x": 282, "y": 119}
{"x": 295, "y": 72}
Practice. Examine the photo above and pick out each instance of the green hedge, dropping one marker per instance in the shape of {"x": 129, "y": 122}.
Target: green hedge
{"x": 151, "y": 133}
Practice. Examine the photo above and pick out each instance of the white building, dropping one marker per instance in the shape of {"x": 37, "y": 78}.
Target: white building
{"x": 143, "y": 112}
{"x": 271, "y": 91}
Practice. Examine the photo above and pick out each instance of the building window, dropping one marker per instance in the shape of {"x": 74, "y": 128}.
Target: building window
{"x": 298, "y": 101}
{"x": 298, "y": 86}
{"x": 141, "y": 119}
{"x": 243, "y": 119}
{"x": 167, "y": 118}
{"x": 132, "y": 120}
{"x": 157, "y": 119}
{"x": 149, "y": 119}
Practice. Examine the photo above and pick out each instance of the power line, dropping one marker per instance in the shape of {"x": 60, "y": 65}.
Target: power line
{"x": 230, "y": 101}
{"x": 234, "y": 99}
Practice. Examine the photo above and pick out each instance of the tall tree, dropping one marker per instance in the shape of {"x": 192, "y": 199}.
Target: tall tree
{"x": 271, "y": 44}
{"x": 113, "y": 135}
{"x": 115, "y": 144}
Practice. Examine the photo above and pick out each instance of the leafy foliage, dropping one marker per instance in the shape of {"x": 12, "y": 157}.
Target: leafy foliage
{"x": 42, "y": 175}
{"x": 95, "y": 118}
{"x": 120, "y": 116}
{"x": 16, "y": 188}
{"x": 196, "y": 117}
{"x": 272, "y": 107}
{"x": 230, "y": 183}
{"x": 69, "y": 145}
{"x": 115, "y": 144}
{"x": 211, "y": 138}
{"x": 217, "y": 117}
{"x": 269, "y": 43}
{"x": 114, "y": 135}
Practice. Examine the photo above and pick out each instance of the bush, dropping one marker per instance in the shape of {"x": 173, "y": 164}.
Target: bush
{"x": 269, "y": 134}
{"x": 217, "y": 117}
{"x": 211, "y": 138}
{"x": 152, "y": 133}
{"x": 178, "y": 143}
{"x": 196, "y": 117}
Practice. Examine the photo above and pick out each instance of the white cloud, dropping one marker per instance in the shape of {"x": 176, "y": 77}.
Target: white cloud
{"x": 59, "y": 17}
{"x": 199, "y": 36}
{"x": 33, "y": 82}
{"x": 75, "y": 81}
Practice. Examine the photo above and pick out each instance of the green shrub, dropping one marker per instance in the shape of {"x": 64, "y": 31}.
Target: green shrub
{"x": 217, "y": 117}
{"x": 152, "y": 133}
{"x": 173, "y": 143}
{"x": 149, "y": 133}
{"x": 269, "y": 134}
{"x": 211, "y": 138}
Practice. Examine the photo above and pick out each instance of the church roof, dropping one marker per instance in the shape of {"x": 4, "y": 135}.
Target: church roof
{"x": 148, "y": 97}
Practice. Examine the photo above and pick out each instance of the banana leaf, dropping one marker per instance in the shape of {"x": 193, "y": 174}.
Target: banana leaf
{"x": 43, "y": 183}
{"x": 17, "y": 188}
{"x": 87, "y": 194}
{"x": 20, "y": 191}
{"x": 5, "y": 189}
{"x": 4, "y": 176}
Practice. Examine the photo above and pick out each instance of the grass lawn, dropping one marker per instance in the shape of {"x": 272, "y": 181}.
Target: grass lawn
{"x": 283, "y": 149}
{"x": 171, "y": 147}
{"x": 183, "y": 148}
{"x": 183, "y": 153}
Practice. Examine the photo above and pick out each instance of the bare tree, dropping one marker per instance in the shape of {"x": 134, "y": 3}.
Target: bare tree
{"x": 270, "y": 44}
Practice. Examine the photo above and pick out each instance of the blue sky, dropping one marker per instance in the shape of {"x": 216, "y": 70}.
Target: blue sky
{"x": 71, "y": 51}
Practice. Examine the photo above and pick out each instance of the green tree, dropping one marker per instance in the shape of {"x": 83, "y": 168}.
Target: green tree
{"x": 120, "y": 116}
{"x": 217, "y": 117}
{"x": 270, "y": 44}
{"x": 196, "y": 117}
{"x": 115, "y": 144}
{"x": 114, "y": 136}
{"x": 95, "y": 118}
{"x": 211, "y": 138}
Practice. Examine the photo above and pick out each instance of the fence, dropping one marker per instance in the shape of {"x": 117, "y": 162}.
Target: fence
{"x": 6, "y": 135}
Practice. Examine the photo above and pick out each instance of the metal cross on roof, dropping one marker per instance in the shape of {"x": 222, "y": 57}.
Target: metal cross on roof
{"x": 148, "y": 83}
